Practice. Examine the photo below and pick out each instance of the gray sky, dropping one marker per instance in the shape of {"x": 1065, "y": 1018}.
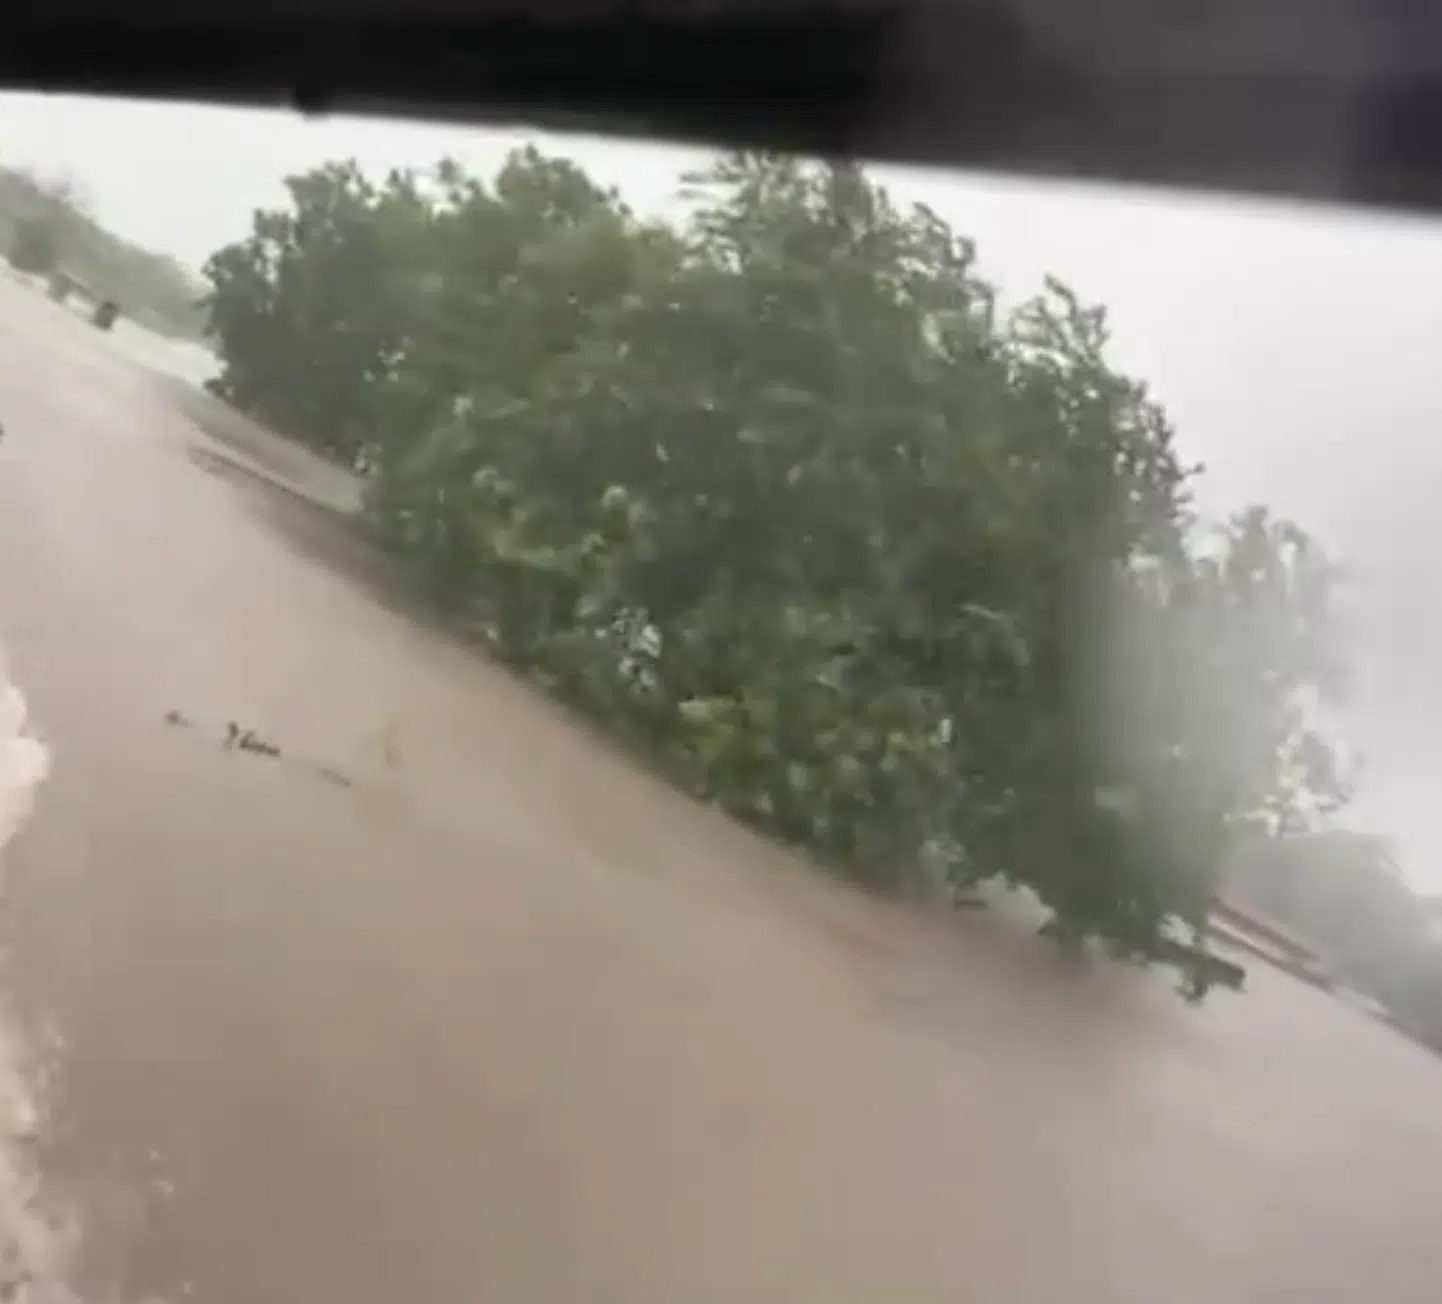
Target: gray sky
{"x": 1296, "y": 349}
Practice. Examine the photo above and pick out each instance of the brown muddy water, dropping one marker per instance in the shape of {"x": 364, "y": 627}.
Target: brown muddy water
{"x": 498, "y": 1019}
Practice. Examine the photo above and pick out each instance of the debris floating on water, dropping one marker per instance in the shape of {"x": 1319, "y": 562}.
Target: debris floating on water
{"x": 332, "y": 776}
{"x": 235, "y": 738}
{"x": 247, "y": 740}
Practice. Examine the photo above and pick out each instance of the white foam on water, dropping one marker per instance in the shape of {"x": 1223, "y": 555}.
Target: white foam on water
{"x": 33, "y": 1250}
{"x": 24, "y": 761}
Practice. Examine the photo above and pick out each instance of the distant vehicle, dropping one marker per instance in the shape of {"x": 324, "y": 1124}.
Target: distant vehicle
{"x": 105, "y": 314}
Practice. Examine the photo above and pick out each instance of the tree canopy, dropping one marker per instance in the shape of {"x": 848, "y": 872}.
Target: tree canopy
{"x": 777, "y": 492}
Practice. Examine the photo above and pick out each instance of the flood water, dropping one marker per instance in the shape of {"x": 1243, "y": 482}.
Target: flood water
{"x": 448, "y": 1003}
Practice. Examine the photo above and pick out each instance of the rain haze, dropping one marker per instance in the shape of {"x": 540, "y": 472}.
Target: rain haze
{"x": 337, "y": 964}
{"x": 1291, "y": 346}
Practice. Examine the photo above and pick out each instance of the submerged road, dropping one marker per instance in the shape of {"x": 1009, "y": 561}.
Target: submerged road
{"x": 505, "y": 1022}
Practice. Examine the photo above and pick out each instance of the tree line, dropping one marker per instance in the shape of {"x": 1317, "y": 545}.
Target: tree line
{"x": 47, "y": 231}
{"x": 777, "y": 492}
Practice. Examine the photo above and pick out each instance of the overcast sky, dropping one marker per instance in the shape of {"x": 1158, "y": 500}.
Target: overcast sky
{"x": 1298, "y": 351}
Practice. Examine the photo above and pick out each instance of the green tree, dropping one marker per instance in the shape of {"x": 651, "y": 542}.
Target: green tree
{"x": 44, "y": 236}
{"x": 309, "y": 308}
{"x": 515, "y": 287}
{"x": 777, "y": 493}
{"x": 1204, "y": 672}
{"x": 34, "y": 246}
